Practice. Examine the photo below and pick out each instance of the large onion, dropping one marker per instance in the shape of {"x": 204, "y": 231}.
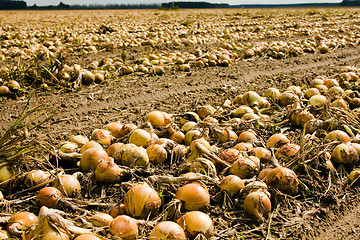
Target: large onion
{"x": 167, "y": 231}
{"x": 284, "y": 179}
{"x": 141, "y": 200}
{"x": 20, "y": 222}
{"x": 257, "y": 204}
{"x": 194, "y": 196}
{"x": 124, "y": 227}
{"x": 195, "y": 223}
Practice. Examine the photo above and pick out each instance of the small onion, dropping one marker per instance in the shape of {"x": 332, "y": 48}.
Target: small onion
{"x": 68, "y": 147}
{"x": 337, "y": 135}
{"x": 92, "y": 157}
{"x": 277, "y": 140}
{"x": 287, "y": 98}
{"x": 317, "y": 100}
{"x": 188, "y": 126}
{"x": 102, "y": 136}
{"x": 283, "y": 179}
{"x": 257, "y": 204}
{"x": 68, "y": 185}
{"x": 114, "y": 128}
{"x": 49, "y": 197}
{"x": 90, "y": 144}
{"x": 288, "y": 150}
{"x": 100, "y": 219}
{"x": 205, "y": 111}
{"x": 178, "y": 137}
{"x": 6, "y": 173}
{"x": 232, "y": 184}
{"x": 124, "y": 227}
{"x": 36, "y": 177}
{"x": 247, "y": 136}
{"x": 195, "y": 223}
{"x": 141, "y": 200}
{"x": 344, "y": 154}
{"x": 156, "y": 153}
{"x": 87, "y": 236}
{"x": 167, "y": 231}
{"x": 194, "y": 196}
{"x": 311, "y": 92}
{"x": 156, "y": 119}
{"x": 20, "y": 222}
{"x": 244, "y": 167}
{"x": 108, "y": 172}
{"x": 140, "y": 137}
{"x": 354, "y": 175}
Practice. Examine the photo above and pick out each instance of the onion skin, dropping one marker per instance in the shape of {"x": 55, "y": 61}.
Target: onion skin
{"x": 125, "y": 227}
{"x": 257, "y": 204}
{"x": 141, "y": 200}
{"x": 167, "y": 231}
{"x": 48, "y": 197}
{"x": 283, "y": 179}
{"x": 195, "y": 223}
{"x": 20, "y": 222}
{"x": 194, "y": 196}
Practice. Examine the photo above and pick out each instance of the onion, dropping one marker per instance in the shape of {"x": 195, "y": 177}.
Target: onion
{"x": 68, "y": 147}
{"x": 247, "y": 136}
{"x": 195, "y": 223}
{"x": 36, "y": 177}
{"x": 203, "y": 166}
{"x": 337, "y": 135}
{"x": 100, "y": 219}
{"x": 272, "y": 93}
{"x": 178, "y": 137}
{"x": 188, "y": 126}
{"x": 20, "y": 222}
{"x": 263, "y": 174}
{"x": 250, "y": 98}
{"x": 102, "y": 136}
{"x": 340, "y": 103}
{"x": 132, "y": 156}
{"x": 4, "y": 91}
{"x": 205, "y": 111}
{"x": 323, "y": 89}
{"x": 225, "y": 135}
{"x": 311, "y": 92}
{"x": 92, "y": 157}
{"x": 68, "y": 185}
{"x": 330, "y": 82}
{"x": 156, "y": 119}
{"x": 79, "y": 140}
{"x": 141, "y": 200}
{"x": 211, "y": 120}
{"x": 108, "y": 172}
{"x": 194, "y": 196}
{"x": 317, "y": 100}
{"x": 191, "y": 136}
{"x": 49, "y": 197}
{"x": 244, "y": 167}
{"x": 115, "y": 129}
{"x": 126, "y": 129}
{"x": 336, "y": 91}
{"x": 87, "y": 236}
{"x": 287, "y": 98}
{"x": 115, "y": 151}
{"x": 6, "y": 173}
{"x": 288, "y": 150}
{"x": 87, "y": 77}
{"x": 283, "y": 179}
{"x": 257, "y": 204}
{"x": 294, "y": 89}
{"x": 230, "y": 155}
{"x": 157, "y": 153}
{"x": 344, "y": 154}
{"x": 117, "y": 210}
{"x": 189, "y": 116}
{"x": 261, "y": 153}
{"x": 301, "y": 117}
{"x": 241, "y": 111}
{"x": 354, "y": 175}
{"x": 167, "y": 231}
{"x": 90, "y": 144}
{"x": 277, "y": 140}
{"x": 140, "y": 137}
{"x": 243, "y": 146}
{"x": 232, "y": 184}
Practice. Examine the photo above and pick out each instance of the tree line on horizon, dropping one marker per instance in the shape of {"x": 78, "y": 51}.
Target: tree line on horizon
{"x": 20, "y": 4}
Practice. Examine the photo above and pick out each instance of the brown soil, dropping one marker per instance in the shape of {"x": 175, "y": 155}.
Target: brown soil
{"x": 128, "y": 98}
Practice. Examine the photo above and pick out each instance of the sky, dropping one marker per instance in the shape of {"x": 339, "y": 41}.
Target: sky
{"x": 231, "y": 2}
